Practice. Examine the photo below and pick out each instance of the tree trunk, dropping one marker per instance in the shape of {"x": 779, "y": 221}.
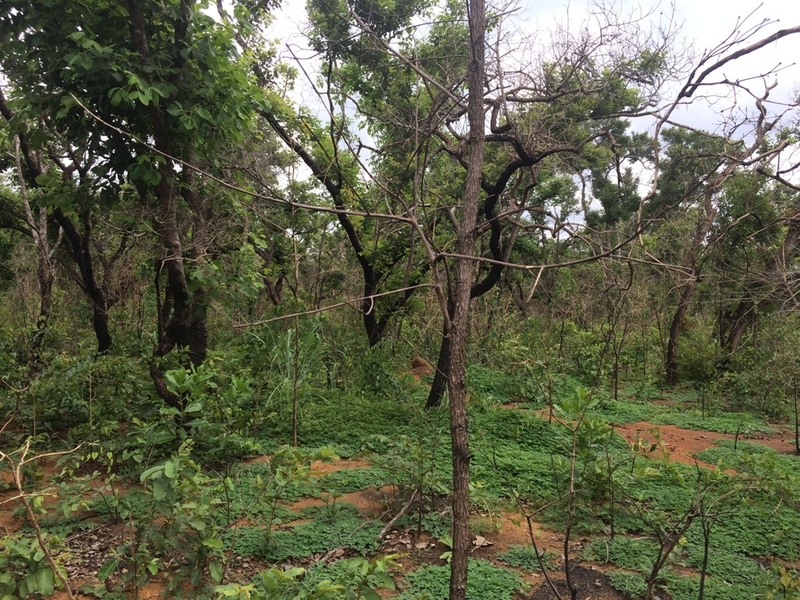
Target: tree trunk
{"x": 44, "y": 265}
{"x": 441, "y": 374}
{"x": 81, "y": 252}
{"x": 182, "y": 312}
{"x": 688, "y": 288}
{"x": 461, "y": 304}
{"x": 687, "y": 291}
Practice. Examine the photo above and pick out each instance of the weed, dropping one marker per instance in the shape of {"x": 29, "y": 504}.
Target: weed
{"x": 524, "y": 558}
{"x": 437, "y": 524}
{"x": 629, "y": 553}
{"x": 786, "y": 585}
{"x": 320, "y": 537}
{"x": 484, "y": 582}
{"x": 350, "y": 578}
{"x": 345, "y": 481}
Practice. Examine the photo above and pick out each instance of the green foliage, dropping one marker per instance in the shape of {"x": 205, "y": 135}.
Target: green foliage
{"x": 686, "y": 418}
{"x": 626, "y": 552}
{"x": 351, "y": 480}
{"x": 524, "y": 558}
{"x": 180, "y": 502}
{"x": 255, "y": 491}
{"x": 354, "y": 578}
{"x": 484, "y": 582}
{"x": 787, "y": 586}
{"x": 24, "y": 569}
{"x": 321, "y": 536}
{"x": 410, "y": 464}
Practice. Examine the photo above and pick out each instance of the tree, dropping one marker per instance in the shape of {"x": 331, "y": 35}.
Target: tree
{"x": 136, "y": 91}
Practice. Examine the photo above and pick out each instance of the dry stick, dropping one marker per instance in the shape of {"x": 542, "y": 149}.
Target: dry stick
{"x": 16, "y": 470}
{"x": 390, "y": 525}
{"x": 540, "y": 557}
{"x": 529, "y": 519}
{"x": 332, "y": 306}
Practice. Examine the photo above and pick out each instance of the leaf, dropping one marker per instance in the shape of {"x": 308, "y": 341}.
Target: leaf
{"x": 153, "y": 566}
{"x": 215, "y": 570}
{"x": 370, "y": 594}
{"x": 213, "y": 543}
{"x": 149, "y": 473}
{"x": 45, "y": 581}
{"x": 160, "y": 487}
{"x": 107, "y": 569}
{"x": 169, "y": 469}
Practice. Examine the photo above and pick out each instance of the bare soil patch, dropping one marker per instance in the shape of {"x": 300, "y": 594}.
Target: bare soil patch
{"x": 369, "y": 502}
{"x": 590, "y": 583}
{"x": 421, "y": 368}
{"x": 320, "y": 468}
{"x": 681, "y": 445}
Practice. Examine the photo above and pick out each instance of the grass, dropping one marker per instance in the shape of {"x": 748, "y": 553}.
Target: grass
{"x": 321, "y": 536}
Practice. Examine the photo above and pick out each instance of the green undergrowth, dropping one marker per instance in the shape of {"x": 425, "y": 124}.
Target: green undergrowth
{"x": 524, "y": 558}
{"x": 345, "y": 420}
{"x": 620, "y": 411}
{"x": 730, "y": 576}
{"x": 317, "y": 537}
{"x": 485, "y": 581}
{"x": 437, "y": 524}
{"x": 729, "y": 450}
{"x": 345, "y": 481}
{"x": 322, "y": 536}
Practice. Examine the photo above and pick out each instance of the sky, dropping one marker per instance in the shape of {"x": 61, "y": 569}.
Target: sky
{"x": 703, "y": 24}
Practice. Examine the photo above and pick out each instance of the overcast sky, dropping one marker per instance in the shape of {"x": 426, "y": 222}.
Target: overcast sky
{"x": 704, "y": 24}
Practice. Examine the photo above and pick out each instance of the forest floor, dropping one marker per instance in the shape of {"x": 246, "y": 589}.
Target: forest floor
{"x": 500, "y": 530}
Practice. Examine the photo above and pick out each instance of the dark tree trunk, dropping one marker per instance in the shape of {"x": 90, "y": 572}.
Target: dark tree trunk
{"x": 440, "y": 376}
{"x": 734, "y": 323}
{"x": 461, "y": 294}
{"x": 678, "y": 319}
{"x": 688, "y": 288}
{"x": 274, "y": 288}
{"x": 81, "y": 251}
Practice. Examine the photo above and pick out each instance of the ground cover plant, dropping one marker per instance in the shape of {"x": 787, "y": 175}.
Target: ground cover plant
{"x": 518, "y": 454}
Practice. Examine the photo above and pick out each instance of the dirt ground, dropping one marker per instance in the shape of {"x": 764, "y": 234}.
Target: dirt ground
{"x": 590, "y": 583}
{"x": 681, "y": 444}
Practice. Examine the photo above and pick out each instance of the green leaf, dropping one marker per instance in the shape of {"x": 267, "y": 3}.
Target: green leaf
{"x": 160, "y": 488}
{"x": 149, "y": 473}
{"x": 215, "y": 569}
{"x": 153, "y": 566}
{"x": 370, "y": 594}
{"x": 45, "y": 581}
{"x": 213, "y": 543}
{"x": 169, "y": 469}
{"x": 107, "y": 569}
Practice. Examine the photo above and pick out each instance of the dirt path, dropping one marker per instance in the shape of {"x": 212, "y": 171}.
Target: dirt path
{"x": 682, "y": 444}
